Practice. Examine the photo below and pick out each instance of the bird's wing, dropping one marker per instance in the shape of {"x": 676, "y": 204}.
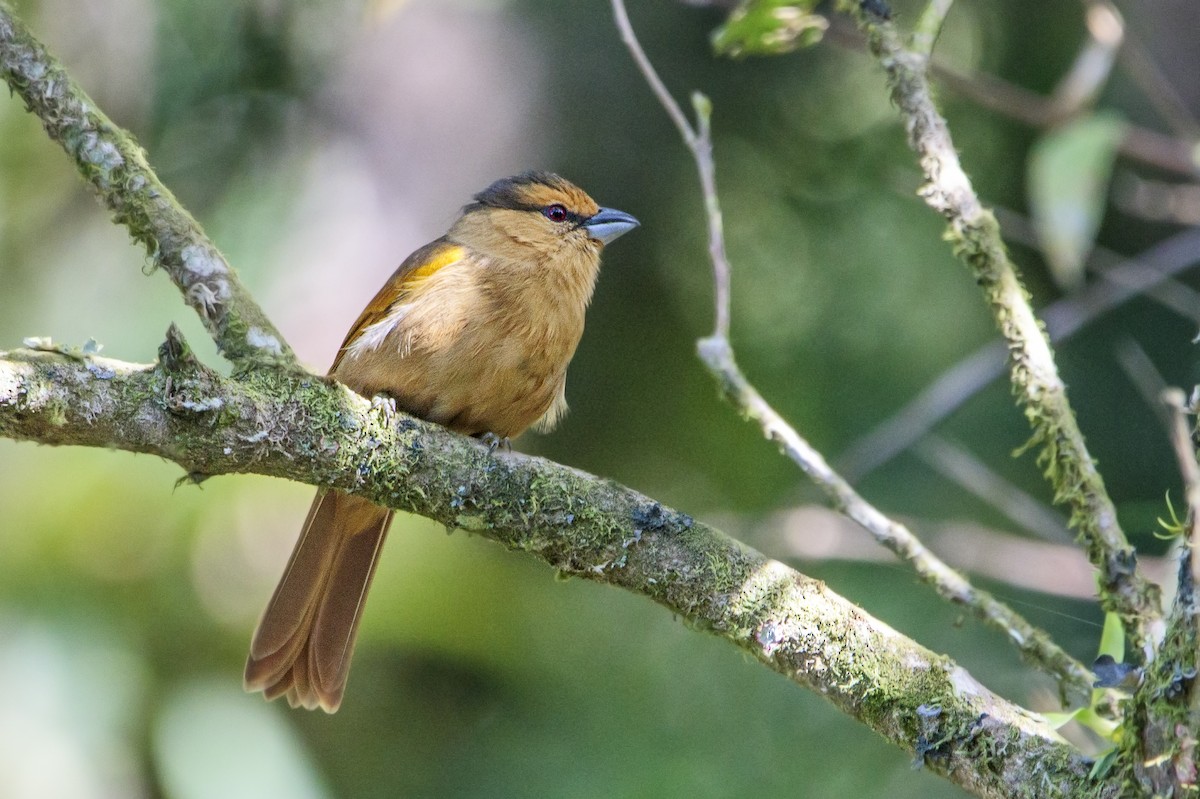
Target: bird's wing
{"x": 418, "y": 266}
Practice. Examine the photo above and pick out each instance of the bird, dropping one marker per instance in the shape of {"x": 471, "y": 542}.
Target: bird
{"x": 474, "y": 331}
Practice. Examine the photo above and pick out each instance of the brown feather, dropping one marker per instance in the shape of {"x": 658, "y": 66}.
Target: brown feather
{"x": 396, "y": 289}
{"x": 304, "y": 642}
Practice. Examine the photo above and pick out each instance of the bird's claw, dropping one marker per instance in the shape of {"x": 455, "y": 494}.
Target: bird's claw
{"x": 384, "y": 404}
{"x": 495, "y": 442}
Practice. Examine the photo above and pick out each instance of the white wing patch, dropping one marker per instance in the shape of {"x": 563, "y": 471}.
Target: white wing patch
{"x": 373, "y": 336}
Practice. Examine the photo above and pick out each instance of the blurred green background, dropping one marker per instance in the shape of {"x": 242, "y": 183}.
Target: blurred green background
{"x": 319, "y": 143}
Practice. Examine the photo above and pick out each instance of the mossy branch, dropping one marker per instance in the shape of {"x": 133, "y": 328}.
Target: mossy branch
{"x": 285, "y": 423}
{"x": 975, "y": 236}
{"x": 306, "y": 428}
{"x": 1165, "y": 712}
{"x": 116, "y": 168}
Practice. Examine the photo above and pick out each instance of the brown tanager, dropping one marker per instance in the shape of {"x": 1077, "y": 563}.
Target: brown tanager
{"x": 474, "y": 331}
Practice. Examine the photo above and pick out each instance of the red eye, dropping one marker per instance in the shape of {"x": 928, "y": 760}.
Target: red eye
{"x": 555, "y": 213}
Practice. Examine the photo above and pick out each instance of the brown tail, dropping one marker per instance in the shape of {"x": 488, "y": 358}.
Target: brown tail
{"x": 303, "y": 644}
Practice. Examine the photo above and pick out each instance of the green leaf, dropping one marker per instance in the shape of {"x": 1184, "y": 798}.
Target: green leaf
{"x": 1103, "y": 764}
{"x": 1086, "y": 717}
{"x": 769, "y": 27}
{"x": 1057, "y": 721}
{"x": 1112, "y": 639}
{"x": 1105, "y": 728}
{"x": 1069, "y": 172}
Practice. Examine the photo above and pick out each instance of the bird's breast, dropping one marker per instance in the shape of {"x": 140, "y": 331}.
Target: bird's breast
{"x": 475, "y": 355}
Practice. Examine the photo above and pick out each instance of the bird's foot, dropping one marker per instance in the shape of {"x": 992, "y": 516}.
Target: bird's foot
{"x": 386, "y": 405}
{"x": 495, "y": 442}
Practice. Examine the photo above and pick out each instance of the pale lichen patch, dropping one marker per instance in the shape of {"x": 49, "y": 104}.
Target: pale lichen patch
{"x": 202, "y": 261}
{"x": 262, "y": 340}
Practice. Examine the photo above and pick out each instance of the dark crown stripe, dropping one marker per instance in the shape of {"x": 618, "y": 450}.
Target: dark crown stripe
{"x": 510, "y": 192}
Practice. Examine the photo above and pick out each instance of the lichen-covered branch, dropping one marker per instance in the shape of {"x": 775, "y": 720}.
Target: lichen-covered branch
{"x": 1034, "y": 644}
{"x": 309, "y": 429}
{"x": 976, "y": 239}
{"x": 116, "y": 168}
{"x": 1164, "y": 714}
{"x": 717, "y": 354}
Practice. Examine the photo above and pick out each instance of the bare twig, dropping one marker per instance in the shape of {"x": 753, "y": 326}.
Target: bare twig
{"x": 1185, "y": 454}
{"x": 1034, "y": 374}
{"x": 699, "y": 141}
{"x": 1166, "y": 100}
{"x": 1162, "y": 715}
{"x": 1064, "y": 318}
{"x": 815, "y": 533}
{"x": 117, "y": 170}
{"x": 1109, "y": 266}
{"x": 1150, "y": 200}
{"x": 1140, "y": 144}
{"x": 1093, "y": 63}
{"x": 929, "y": 26}
{"x": 957, "y": 464}
{"x": 1144, "y": 377}
{"x": 1033, "y": 643}
{"x": 717, "y": 354}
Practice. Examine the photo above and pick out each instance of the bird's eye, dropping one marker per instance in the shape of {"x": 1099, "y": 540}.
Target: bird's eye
{"x": 555, "y": 213}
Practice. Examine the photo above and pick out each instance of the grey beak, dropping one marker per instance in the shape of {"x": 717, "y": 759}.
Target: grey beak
{"x": 609, "y": 223}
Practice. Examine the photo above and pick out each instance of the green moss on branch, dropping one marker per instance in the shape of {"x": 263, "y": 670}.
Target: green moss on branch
{"x": 975, "y": 236}
{"x": 309, "y": 429}
{"x": 115, "y": 167}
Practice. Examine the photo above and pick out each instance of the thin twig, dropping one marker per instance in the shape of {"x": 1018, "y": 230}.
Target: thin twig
{"x": 717, "y": 354}
{"x": 816, "y": 533}
{"x": 929, "y": 26}
{"x": 957, "y": 464}
{"x": 116, "y": 168}
{"x": 1110, "y": 267}
{"x": 699, "y": 141}
{"x": 1158, "y": 89}
{"x": 1033, "y": 643}
{"x": 1063, "y": 318}
{"x": 976, "y": 239}
{"x": 1162, "y": 151}
{"x": 625, "y": 28}
{"x": 1093, "y": 64}
{"x": 1145, "y": 378}
{"x": 1163, "y": 716}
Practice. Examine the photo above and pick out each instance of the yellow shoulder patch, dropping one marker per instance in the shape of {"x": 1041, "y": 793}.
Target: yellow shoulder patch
{"x": 442, "y": 257}
{"x": 421, "y": 264}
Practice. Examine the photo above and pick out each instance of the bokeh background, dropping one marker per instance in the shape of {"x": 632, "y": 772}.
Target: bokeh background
{"x": 319, "y": 143}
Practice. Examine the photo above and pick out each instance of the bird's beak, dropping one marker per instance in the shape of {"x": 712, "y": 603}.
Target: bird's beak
{"x": 609, "y": 223}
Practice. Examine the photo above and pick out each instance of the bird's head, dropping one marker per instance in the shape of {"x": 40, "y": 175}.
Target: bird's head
{"x": 538, "y": 214}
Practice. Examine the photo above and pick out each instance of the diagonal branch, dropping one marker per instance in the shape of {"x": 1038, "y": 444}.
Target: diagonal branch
{"x": 1148, "y": 273}
{"x": 285, "y": 423}
{"x": 308, "y": 429}
{"x": 717, "y": 354}
{"x": 115, "y": 167}
{"x": 929, "y": 27}
{"x": 1034, "y": 374}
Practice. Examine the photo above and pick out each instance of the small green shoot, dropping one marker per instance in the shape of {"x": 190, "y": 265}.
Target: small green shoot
{"x": 1174, "y": 528}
